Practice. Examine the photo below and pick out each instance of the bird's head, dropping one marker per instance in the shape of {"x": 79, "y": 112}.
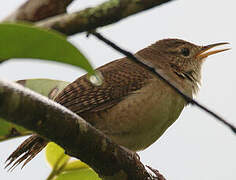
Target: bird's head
{"x": 179, "y": 61}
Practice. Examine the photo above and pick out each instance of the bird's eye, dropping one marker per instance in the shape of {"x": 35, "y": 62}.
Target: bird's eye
{"x": 185, "y": 51}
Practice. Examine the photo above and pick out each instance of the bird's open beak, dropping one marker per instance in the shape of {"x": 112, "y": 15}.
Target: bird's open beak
{"x": 205, "y": 53}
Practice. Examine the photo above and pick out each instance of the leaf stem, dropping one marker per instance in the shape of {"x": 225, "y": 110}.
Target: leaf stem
{"x": 57, "y": 170}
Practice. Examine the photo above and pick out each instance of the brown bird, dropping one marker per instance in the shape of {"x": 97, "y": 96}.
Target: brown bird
{"x": 132, "y": 106}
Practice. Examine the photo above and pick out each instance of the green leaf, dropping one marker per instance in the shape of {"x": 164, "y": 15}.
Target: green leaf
{"x": 46, "y": 87}
{"x": 75, "y": 165}
{"x": 82, "y": 174}
{"x": 63, "y": 169}
{"x": 55, "y": 156}
{"x": 28, "y": 41}
{"x": 9, "y": 131}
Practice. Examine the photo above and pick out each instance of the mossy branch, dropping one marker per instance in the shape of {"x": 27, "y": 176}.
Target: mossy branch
{"x": 106, "y": 13}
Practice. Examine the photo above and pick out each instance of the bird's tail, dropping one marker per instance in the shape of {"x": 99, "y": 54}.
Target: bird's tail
{"x": 26, "y": 151}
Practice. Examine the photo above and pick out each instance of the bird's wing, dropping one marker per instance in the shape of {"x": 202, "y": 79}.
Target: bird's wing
{"x": 121, "y": 77}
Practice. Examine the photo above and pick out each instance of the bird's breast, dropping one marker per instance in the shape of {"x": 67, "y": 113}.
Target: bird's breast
{"x": 142, "y": 117}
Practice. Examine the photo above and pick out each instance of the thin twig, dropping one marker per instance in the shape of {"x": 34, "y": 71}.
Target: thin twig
{"x": 187, "y": 98}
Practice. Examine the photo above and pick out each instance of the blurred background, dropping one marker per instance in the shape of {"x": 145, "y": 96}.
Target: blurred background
{"x": 196, "y": 146}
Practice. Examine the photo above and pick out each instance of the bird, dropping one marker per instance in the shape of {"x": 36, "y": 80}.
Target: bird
{"x": 132, "y": 106}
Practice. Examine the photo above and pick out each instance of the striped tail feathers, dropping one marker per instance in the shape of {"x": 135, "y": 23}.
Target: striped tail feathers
{"x": 26, "y": 151}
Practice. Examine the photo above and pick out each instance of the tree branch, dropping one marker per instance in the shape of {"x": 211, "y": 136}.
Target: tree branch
{"x": 36, "y": 10}
{"x": 79, "y": 139}
{"x": 101, "y": 15}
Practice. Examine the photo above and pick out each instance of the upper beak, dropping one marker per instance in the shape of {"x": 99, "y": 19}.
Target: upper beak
{"x": 204, "y": 53}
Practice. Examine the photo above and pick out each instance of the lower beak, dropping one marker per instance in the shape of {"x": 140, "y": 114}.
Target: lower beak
{"x": 205, "y": 53}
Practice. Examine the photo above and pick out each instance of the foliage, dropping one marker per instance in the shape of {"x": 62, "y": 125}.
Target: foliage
{"x": 27, "y": 41}
{"x": 63, "y": 167}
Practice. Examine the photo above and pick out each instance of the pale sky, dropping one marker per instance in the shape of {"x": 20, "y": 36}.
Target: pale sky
{"x": 196, "y": 147}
